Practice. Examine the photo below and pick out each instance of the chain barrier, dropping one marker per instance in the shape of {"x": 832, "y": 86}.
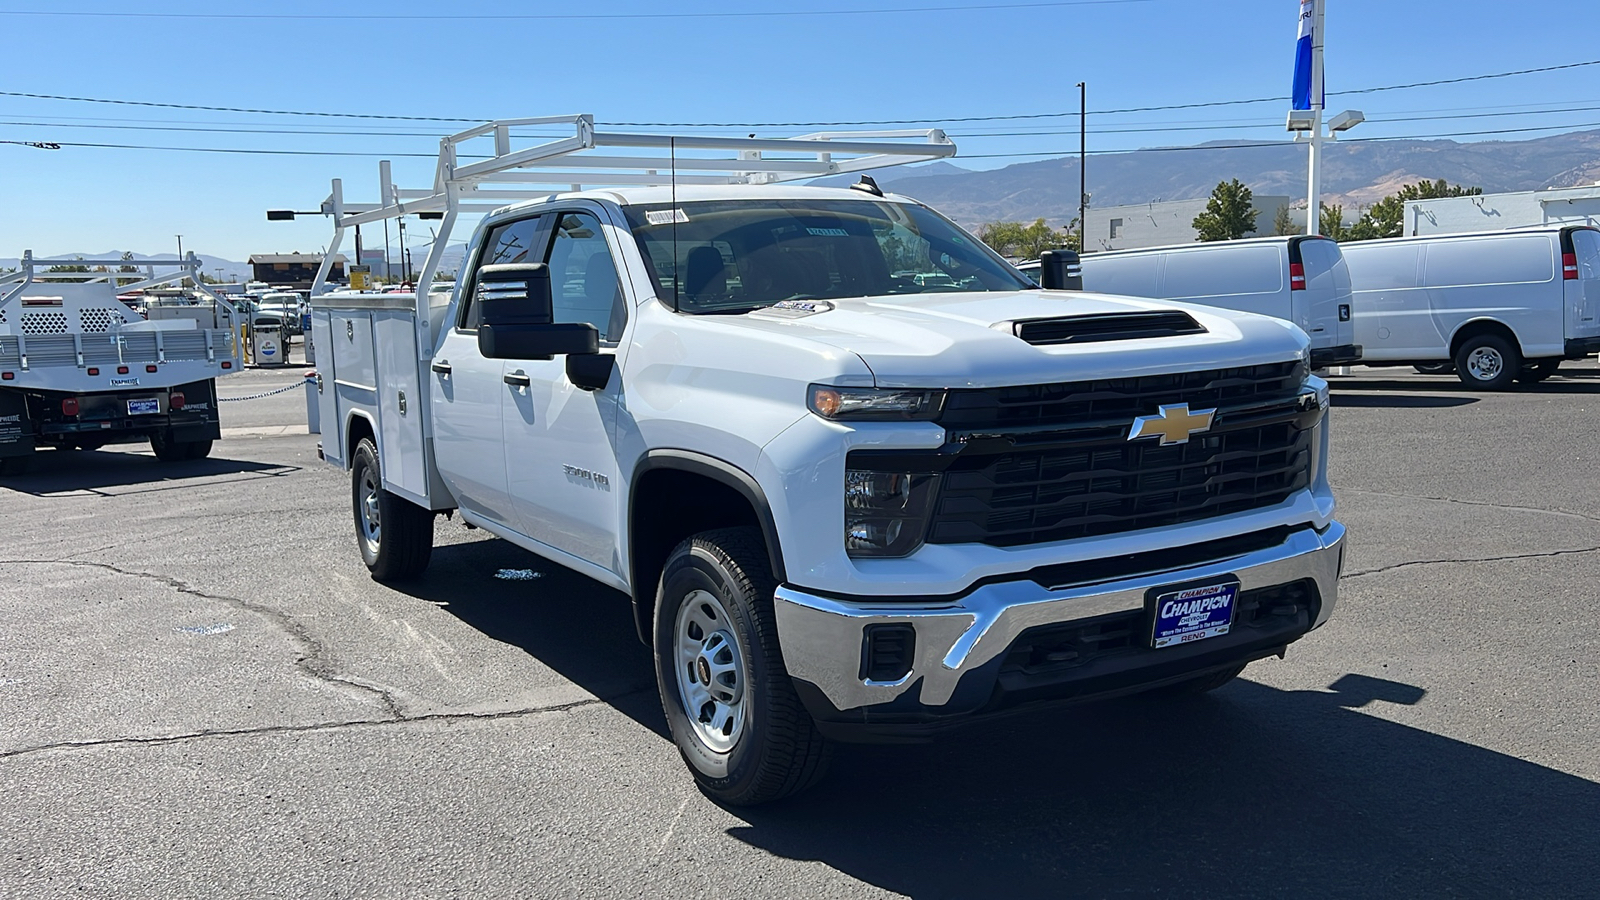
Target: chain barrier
{"x": 282, "y": 390}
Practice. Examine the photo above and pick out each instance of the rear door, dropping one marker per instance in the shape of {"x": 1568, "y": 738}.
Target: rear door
{"x": 468, "y": 390}
{"x": 1323, "y": 306}
{"x": 1582, "y": 251}
{"x": 1513, "y": 279}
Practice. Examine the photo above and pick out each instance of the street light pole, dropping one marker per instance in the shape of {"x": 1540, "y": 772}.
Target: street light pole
{"x": 1314, "y": 176}
{"x": 180, "y": 246}
{"x": 1083, "y": 167}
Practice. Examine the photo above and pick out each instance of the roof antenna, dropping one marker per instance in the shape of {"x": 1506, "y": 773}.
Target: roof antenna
{"x": 672, "y": 145}
{"x": 868, "y": 185}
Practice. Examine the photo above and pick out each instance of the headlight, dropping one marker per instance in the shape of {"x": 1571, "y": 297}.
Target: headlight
{"x": 867, "y": 404}
{"x": 885, "y": 513}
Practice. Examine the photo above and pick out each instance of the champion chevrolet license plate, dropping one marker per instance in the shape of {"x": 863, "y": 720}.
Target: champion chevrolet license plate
{"x": 144, "y": 406}
{"x": 1194, "y": 614}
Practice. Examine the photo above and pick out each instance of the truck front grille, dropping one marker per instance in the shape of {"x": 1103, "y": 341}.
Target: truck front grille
{"x": 1011, "y": 486}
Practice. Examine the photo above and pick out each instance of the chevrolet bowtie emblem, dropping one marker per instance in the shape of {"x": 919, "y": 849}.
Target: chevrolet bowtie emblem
{"x": 1174, "y": 424}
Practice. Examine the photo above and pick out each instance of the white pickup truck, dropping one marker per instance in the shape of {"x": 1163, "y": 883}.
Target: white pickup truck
{"x": 862, "y": 480}
{"x": 79, "y": 369}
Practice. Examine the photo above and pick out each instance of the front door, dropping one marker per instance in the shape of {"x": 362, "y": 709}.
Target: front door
{"x": 560, "y": 459}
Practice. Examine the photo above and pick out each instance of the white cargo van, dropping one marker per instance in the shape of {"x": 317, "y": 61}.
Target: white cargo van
{"x": 1299, "y": 278}
{"x": 1497, "y": 306}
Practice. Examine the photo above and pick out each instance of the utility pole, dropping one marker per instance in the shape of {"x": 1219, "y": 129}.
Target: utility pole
{"x": 180, "y": 246}
{"x": 1083, "y": 167}
{"x": 405, "y": 267}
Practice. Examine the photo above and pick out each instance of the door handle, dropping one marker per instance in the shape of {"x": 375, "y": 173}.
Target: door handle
{"x": 516, "y": 379}
{"x": 442, "y": 367}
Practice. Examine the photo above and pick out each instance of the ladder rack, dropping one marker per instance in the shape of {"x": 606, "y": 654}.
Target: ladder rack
{"x": 464, "y": 183}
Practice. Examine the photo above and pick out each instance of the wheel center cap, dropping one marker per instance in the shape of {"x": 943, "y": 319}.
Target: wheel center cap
{"x": 702, "y": 668}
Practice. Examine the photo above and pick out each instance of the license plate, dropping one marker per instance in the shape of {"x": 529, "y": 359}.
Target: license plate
{"x": 144, "y": 407}
{"x": 1193, "y": 614}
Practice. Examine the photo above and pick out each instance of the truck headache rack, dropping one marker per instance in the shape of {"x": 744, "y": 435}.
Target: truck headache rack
{"x": 74, "y": 320}
{"x": 465, "y": 183}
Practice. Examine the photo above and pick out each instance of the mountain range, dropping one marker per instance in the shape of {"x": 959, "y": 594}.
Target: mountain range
{"x": 1355, "y": 172}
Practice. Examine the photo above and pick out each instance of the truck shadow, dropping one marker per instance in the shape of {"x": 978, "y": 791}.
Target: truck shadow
{"x": 1249, "y": 792}
{"x": 67, "y": 471}
{"x": 1399, "y": 401}
{"x": 1578, "y": 383}
{"x": 586, "y": 635}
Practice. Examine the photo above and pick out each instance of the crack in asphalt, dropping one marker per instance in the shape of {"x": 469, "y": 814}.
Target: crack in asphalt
{"x": 1563, "y": 513}
{"x": 1481, "y": 559}
{"x": 205, "y": 734}
{"x": 310, "y": 661}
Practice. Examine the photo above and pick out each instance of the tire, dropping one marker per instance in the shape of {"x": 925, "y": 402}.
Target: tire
{"x": 166, "y": 449}
{"x": 1535, "y": 372}
{"x": 718, "y": 661}
{"x": 1488, "y": 362}
{"x": 394, "y": 534}
{"x": 1196, "y": 686}
{"x": 197, "y": 449}
{"x": 1443, "y": 368}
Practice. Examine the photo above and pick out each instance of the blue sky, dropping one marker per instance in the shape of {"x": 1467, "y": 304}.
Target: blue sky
{"x": 1010, "y": 58}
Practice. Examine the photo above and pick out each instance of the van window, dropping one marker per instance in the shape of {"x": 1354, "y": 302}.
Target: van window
{"x": 1384, "y": 267}
{"x": 1587, "y": 246}
{"x": 1325, "y": 267}
{"x": 1523, "y": 259}
{"x": 1224, "y": 271}
{"x": 1131, "y": 276}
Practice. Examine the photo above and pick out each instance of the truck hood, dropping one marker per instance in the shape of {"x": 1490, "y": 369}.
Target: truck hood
{"x": 950, "y": 339}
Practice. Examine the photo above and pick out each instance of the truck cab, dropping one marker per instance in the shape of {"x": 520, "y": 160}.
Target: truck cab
{"x": 862, "y": 480}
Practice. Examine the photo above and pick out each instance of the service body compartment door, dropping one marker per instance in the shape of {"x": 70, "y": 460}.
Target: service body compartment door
{"x": 333, "y": 441}
{"x": 401, "y": 409}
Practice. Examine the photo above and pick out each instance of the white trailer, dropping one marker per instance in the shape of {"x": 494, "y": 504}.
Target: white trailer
{"x": 80, "y": 369}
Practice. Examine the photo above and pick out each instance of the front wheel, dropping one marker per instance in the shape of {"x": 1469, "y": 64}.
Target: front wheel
{"x": 1488, "y": 362}
{"x": 732, "y": 710}
{"x": 395, "y": 535}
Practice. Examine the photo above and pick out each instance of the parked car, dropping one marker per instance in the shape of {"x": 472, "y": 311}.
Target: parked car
{"x": 1300, "y": 278}
{"x": 1494, "y": 307}
{"x": 281, "y": 306}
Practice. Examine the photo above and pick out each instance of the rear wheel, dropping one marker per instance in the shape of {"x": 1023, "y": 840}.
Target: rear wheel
{"x": 1535, "y": 372}
{"x": 728, "y": 700}
{"x": 395, "y": 535}
{"x": 1488, "y": 362}
{"x": 198, "y": 449}
{"x": 167, "y": 449}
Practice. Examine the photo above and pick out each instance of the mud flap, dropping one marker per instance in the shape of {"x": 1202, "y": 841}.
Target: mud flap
{"x": 16, "y": 429}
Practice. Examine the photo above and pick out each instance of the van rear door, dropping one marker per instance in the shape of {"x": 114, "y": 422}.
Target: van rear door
{"x": 1319, "y": 289}
{"x": 1580, "y": 270}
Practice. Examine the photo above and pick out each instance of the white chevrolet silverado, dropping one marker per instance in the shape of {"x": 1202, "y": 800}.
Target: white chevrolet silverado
{"x": 862, "y": 480}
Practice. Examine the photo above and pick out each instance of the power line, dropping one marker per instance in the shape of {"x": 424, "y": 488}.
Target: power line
{"x": 506, "y": 17}
{"x": 948, "y": 120}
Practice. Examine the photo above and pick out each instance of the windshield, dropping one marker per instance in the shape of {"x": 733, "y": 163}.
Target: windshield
{"x": 738, "y": 255}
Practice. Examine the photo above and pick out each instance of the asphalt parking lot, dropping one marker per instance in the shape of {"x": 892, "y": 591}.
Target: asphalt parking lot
{"x": 204, "y": 694}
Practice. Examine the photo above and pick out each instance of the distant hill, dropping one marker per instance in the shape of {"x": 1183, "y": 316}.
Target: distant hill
{"x": 231, "y": 271}
{"x": 1355, "y": 172}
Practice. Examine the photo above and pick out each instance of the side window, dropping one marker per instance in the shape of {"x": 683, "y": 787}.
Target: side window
{"x": 583, "y": 278}
{"x": 508, "y": 242}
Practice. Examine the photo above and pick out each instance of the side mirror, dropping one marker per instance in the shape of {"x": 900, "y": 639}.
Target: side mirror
{"x": 1060, "y": 270}
{"x": 517, "y": 311}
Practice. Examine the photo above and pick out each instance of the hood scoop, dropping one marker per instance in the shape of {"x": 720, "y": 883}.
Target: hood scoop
{"x": 1119, "y": 326}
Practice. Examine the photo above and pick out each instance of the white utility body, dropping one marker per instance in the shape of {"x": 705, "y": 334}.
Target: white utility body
{"x": 80, "y": 368}
{"x": 862, "y": 479}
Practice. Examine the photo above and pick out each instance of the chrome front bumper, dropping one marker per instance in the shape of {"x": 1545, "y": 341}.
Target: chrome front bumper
{"x": 822, "y": 638}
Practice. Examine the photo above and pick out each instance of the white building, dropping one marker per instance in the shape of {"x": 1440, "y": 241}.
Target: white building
{"x": 1493, "y": 212}
{"x": 1161, "y": 223}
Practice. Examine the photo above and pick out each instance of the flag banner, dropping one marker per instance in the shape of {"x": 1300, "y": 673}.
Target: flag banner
{"x": 1301, "y": 97}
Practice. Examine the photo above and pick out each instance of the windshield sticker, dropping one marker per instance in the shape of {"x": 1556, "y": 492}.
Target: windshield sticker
{"x": 665, "y": 216}
{"x": 827, "y": 232}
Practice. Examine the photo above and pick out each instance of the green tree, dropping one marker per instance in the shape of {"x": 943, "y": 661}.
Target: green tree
{"x": 127, "y": 266}
{"x": 1020, "y": 241}
{"x": 1229, "y": 215}
{"x": 1386, "y": 218}
{"x": 1282, "y": 223}
{"x": 1331, "y": 222}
